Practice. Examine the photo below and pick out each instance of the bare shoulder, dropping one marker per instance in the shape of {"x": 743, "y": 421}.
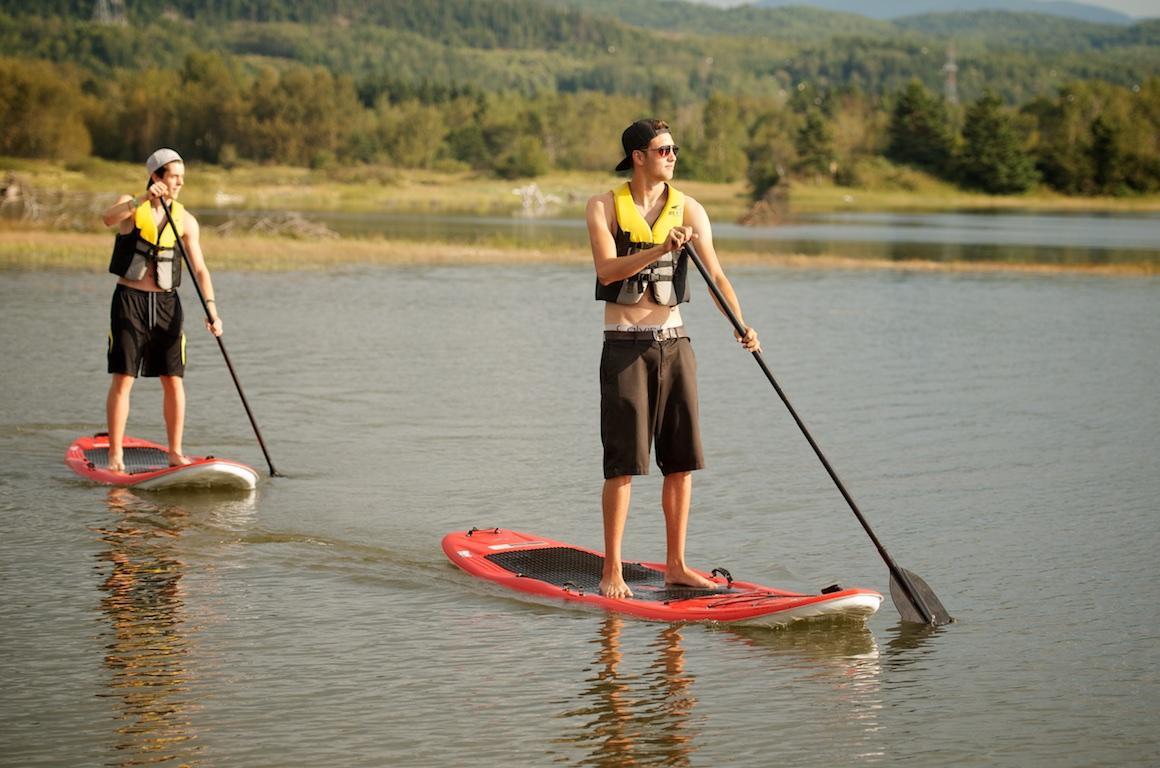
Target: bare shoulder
{"x": 600, "y": 206}
{"x": 692, "y": 207}
{"x": 604, "y": 199}
{"x": 695, "y": 214}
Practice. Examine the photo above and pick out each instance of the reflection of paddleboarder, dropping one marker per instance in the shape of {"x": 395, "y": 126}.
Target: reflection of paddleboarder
{"x": 148, "y": 649}
{"x": 648, "y": 375}
{"x": 634, "y": 720}
{"x": 146, "y": 335}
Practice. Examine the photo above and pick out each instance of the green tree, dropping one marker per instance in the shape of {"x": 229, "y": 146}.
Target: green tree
{"x": 1108, "y": 155}
{"x": 919, "y": 131}
{"x": 993, "y": 158}
{"x": 526, "y": 158}
{"x": 814, "y": 143}
{"x": 41, "y": 112}
{"x": 771, "y": 152}
{"x": 1063, "y": 138}
{"x": 142, "y": 114}
{"x": 411, "y": 134}
{"x": 212, "y": 106}
{"x": 302, "y": 116}
{"x": 721, "y": 156}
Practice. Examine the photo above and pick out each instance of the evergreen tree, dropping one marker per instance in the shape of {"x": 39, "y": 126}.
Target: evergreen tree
{"x": 993, "y": 158}
{"x": 765, "y": 170}
{"x": 920, "y": 133}
{"x": 722, "y": 158}
{"x": 1107, "y": 155}
{"x": 814, "y": 143}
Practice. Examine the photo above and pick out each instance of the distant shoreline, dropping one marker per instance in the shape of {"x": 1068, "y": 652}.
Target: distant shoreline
{"x": 36, "y": 250}
{"x": 66, "y": 232}
{"x": 383, "y": 189}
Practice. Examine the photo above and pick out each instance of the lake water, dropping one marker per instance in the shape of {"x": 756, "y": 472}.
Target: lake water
{"x": 1026, "y": 238}
{"x": 999, "y": 431}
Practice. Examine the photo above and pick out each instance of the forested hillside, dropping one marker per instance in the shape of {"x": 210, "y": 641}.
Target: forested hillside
{"x": 520, "y": 87}
{"x": 894, "y": 9}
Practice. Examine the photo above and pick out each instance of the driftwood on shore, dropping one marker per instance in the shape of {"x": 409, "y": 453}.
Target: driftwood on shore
{"x": 771, "y": 209}
{"x": 54, "y": 208}
{"x": 288, "y": 224}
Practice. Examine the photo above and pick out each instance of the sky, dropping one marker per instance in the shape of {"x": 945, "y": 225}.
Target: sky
{"x": 1137, "y": 8}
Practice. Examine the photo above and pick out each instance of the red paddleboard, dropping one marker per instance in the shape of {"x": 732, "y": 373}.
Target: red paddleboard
{"x": 551, "y": 569}
{"x": 147, "y": 467}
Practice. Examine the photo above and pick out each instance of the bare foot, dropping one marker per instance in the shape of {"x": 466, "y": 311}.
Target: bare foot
{"x": 116, "y": 464}
{"x": 178, "y": 460}
{"x": 613, "y": 586}
{"x": 684, "y": 576}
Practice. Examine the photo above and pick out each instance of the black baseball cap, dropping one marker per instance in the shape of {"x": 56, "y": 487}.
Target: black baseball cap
{"x": 637, "y": 136}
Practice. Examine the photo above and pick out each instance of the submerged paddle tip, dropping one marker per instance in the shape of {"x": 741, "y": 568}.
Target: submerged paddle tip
{"x": 916, "y": 601}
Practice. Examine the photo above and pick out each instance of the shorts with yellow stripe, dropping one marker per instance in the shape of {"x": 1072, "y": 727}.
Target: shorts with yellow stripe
{"x": 145, "y": 333}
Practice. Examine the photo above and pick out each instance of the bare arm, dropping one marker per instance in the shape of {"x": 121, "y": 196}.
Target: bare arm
{"x": 121, "y": 212}
{"x": 698, "y": 220}
{"x": 191, "y": 236}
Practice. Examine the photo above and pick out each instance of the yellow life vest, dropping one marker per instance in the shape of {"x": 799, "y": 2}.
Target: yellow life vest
{"x": 147, "y": 225}
{"x": 145, "y": 247}
{"x": 666, "y": 277}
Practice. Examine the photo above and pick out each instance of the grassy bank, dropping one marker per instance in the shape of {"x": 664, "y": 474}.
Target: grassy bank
{"x": 92, "y": 183}
{"x": 26, "y": 249}
{"x": 66, "y": 232}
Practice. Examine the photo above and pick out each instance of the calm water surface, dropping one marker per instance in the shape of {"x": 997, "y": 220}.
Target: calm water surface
{"x": 1035, "y": 238}
{"x": 1000, "y": 432}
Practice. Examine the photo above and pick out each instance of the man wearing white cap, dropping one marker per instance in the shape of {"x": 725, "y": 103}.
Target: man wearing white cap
{"x": 145, "y": 335}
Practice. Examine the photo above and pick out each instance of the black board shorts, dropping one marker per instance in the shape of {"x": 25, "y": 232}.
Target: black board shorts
{"x": 145, "y": 333}
{"x": 648, "y": 391}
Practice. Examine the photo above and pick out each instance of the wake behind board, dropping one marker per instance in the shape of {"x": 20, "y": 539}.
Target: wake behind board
{"x": 147, "y": 467}
{"x": 546, "y": 568}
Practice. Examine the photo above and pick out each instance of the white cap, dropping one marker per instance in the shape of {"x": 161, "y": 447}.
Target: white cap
{"x": 161, "y": 158}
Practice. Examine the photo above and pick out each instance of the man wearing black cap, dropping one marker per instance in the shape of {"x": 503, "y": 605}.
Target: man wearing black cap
{"x": 648, "y": 376}
{"x": 145, "y": 335}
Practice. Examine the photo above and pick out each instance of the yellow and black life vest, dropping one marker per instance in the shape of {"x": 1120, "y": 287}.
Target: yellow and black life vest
{"x": 667, "y": 276}
{"x": 145, "y": 247}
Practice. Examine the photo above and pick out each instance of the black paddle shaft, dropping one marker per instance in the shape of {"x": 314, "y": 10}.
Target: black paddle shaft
{"x": 927, "y": 615}
{"x": 221, "y": 344}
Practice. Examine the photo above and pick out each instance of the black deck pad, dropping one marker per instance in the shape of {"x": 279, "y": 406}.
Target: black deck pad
{"x": 567, "y": 567}
{"x": 137, "y": 460}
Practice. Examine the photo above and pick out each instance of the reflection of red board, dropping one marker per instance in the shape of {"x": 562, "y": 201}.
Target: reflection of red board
{"x": 549, "y": 568}
{"x": 147, "y": 467}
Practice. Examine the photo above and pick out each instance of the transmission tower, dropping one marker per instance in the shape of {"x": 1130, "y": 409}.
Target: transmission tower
{"x": 950, "y": 70}
{"x": 109, "y": 12}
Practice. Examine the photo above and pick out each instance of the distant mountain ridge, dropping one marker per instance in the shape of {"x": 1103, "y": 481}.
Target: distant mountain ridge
{"x": 894, "y": 9}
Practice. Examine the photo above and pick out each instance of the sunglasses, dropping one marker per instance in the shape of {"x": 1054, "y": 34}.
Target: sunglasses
{"x": 664, "y": 151}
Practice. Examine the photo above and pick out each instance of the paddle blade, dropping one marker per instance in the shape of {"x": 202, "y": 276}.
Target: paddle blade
{"x": 912, "y": 609}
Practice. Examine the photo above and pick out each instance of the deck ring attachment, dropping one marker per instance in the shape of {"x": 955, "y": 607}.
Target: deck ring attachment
{"x": 725, "y": 573}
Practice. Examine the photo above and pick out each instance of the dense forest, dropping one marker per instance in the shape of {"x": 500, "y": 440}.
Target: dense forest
{"x": 522, "y": 87}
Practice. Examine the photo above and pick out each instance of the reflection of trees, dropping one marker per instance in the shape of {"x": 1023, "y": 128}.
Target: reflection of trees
{"x": 631, "y": 720}
{"x": 838, "y": 661}
{"x": 147, "y": 648}
{"x": 814, "y": 642}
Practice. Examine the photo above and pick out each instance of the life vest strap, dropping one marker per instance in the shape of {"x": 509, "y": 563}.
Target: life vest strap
{"x": 650, "y": 276}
